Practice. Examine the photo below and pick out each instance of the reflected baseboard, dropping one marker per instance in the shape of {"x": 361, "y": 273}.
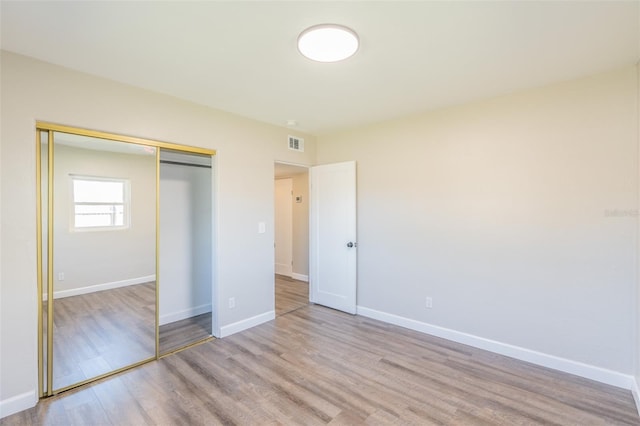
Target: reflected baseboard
{"x": 184, "y": 314}
{"x": 99, "y": 287}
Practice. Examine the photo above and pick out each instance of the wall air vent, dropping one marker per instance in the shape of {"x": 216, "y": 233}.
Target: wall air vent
{"x": 296, "y": 143}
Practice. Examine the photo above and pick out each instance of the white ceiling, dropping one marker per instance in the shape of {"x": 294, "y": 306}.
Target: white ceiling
{"x": 241, "y": 56}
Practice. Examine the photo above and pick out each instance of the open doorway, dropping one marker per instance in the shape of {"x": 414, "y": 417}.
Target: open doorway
{"x": 291, "y": 238}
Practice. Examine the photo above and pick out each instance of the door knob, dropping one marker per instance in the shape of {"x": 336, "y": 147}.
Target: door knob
{"x": 350, "y": 244}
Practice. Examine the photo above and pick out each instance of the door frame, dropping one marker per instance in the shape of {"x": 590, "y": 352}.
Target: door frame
{"x": 307, "y": 168}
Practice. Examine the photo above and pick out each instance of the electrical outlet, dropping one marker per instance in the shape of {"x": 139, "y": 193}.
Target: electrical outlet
{"x": 429, "y": 303}
{"x": 232, "y": 302}
{"x": 60, "y": 276}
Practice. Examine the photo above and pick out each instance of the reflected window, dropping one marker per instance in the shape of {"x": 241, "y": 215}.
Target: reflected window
{"x": 100, "y": 202}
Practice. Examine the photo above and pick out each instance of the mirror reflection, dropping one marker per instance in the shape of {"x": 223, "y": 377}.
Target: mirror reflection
{"x": 104, "y": 257}
{"x": 43, "y": 259}
{"x": 185, "y": 249}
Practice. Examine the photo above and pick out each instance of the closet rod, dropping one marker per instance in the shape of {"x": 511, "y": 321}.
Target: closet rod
{"x": 179, "y": 163}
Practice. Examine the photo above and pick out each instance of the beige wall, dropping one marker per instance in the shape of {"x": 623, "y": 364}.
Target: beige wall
{"x": 637, "y": 344}
{"x": 89, "y": 258}
{"x": 301, "y": 225}
{"x": 33, "y": 90}
{"x": 517, "y": 216}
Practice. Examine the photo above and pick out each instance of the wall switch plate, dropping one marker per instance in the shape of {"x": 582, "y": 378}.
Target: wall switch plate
{"x": 429, "y": 303}
{"x": 232, "y": 302}
{"x": 60, "y": 276}
{"x": 262, "y": 227}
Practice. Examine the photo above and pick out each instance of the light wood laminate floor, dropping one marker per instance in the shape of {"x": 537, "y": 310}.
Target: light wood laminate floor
{"x": 99, "y": 332}
{"x": 181, "y": 333}
{"x": 290, "y": 294}
{"x": 316, "y": 366}
{"x": 96, "y": 333}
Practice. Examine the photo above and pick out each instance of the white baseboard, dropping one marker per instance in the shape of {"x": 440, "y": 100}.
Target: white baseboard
{"x": 184, "y": 314}
{"x": 236, "y": 327}
{"x": 100, "y": 287}
{"x": 592, "y": 372}
{"x": 283, "y": 269}
{"x": 18, "y": 403}
{"x": 636, "y": 394}
{"x": 300, "y": 277}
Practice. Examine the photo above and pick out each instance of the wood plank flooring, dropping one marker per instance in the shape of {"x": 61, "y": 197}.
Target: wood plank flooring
{"x": 290, "y": 294}
{"x": 181, "y": 333}
{"x": 99, "y": 332}
{"x": 317, "y": 366}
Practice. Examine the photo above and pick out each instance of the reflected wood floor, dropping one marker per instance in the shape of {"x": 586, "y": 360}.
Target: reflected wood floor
{"x": 99, "y": 332}
{"x": 316, "y": 366}
{"x": 290, "y": 294}
{"x": 177, "y": 334}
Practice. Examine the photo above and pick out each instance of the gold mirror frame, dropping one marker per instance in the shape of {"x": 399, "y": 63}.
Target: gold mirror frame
{"x": 46, "y": 386}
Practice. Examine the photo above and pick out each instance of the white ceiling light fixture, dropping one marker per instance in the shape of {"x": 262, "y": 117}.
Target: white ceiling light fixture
{"x": 328, "y": 43}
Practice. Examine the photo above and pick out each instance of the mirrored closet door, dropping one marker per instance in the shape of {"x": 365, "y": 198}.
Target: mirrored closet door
{"x": 99, "y": 221}
{"x": 185, "y": 249}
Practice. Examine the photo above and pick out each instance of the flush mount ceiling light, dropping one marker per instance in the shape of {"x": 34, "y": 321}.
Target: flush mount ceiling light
{"x": 328, "y": 43}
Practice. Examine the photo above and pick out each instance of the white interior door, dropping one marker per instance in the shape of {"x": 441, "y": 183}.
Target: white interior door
{"x": 284, "y": 226}
{"x": 333, "y": 247}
